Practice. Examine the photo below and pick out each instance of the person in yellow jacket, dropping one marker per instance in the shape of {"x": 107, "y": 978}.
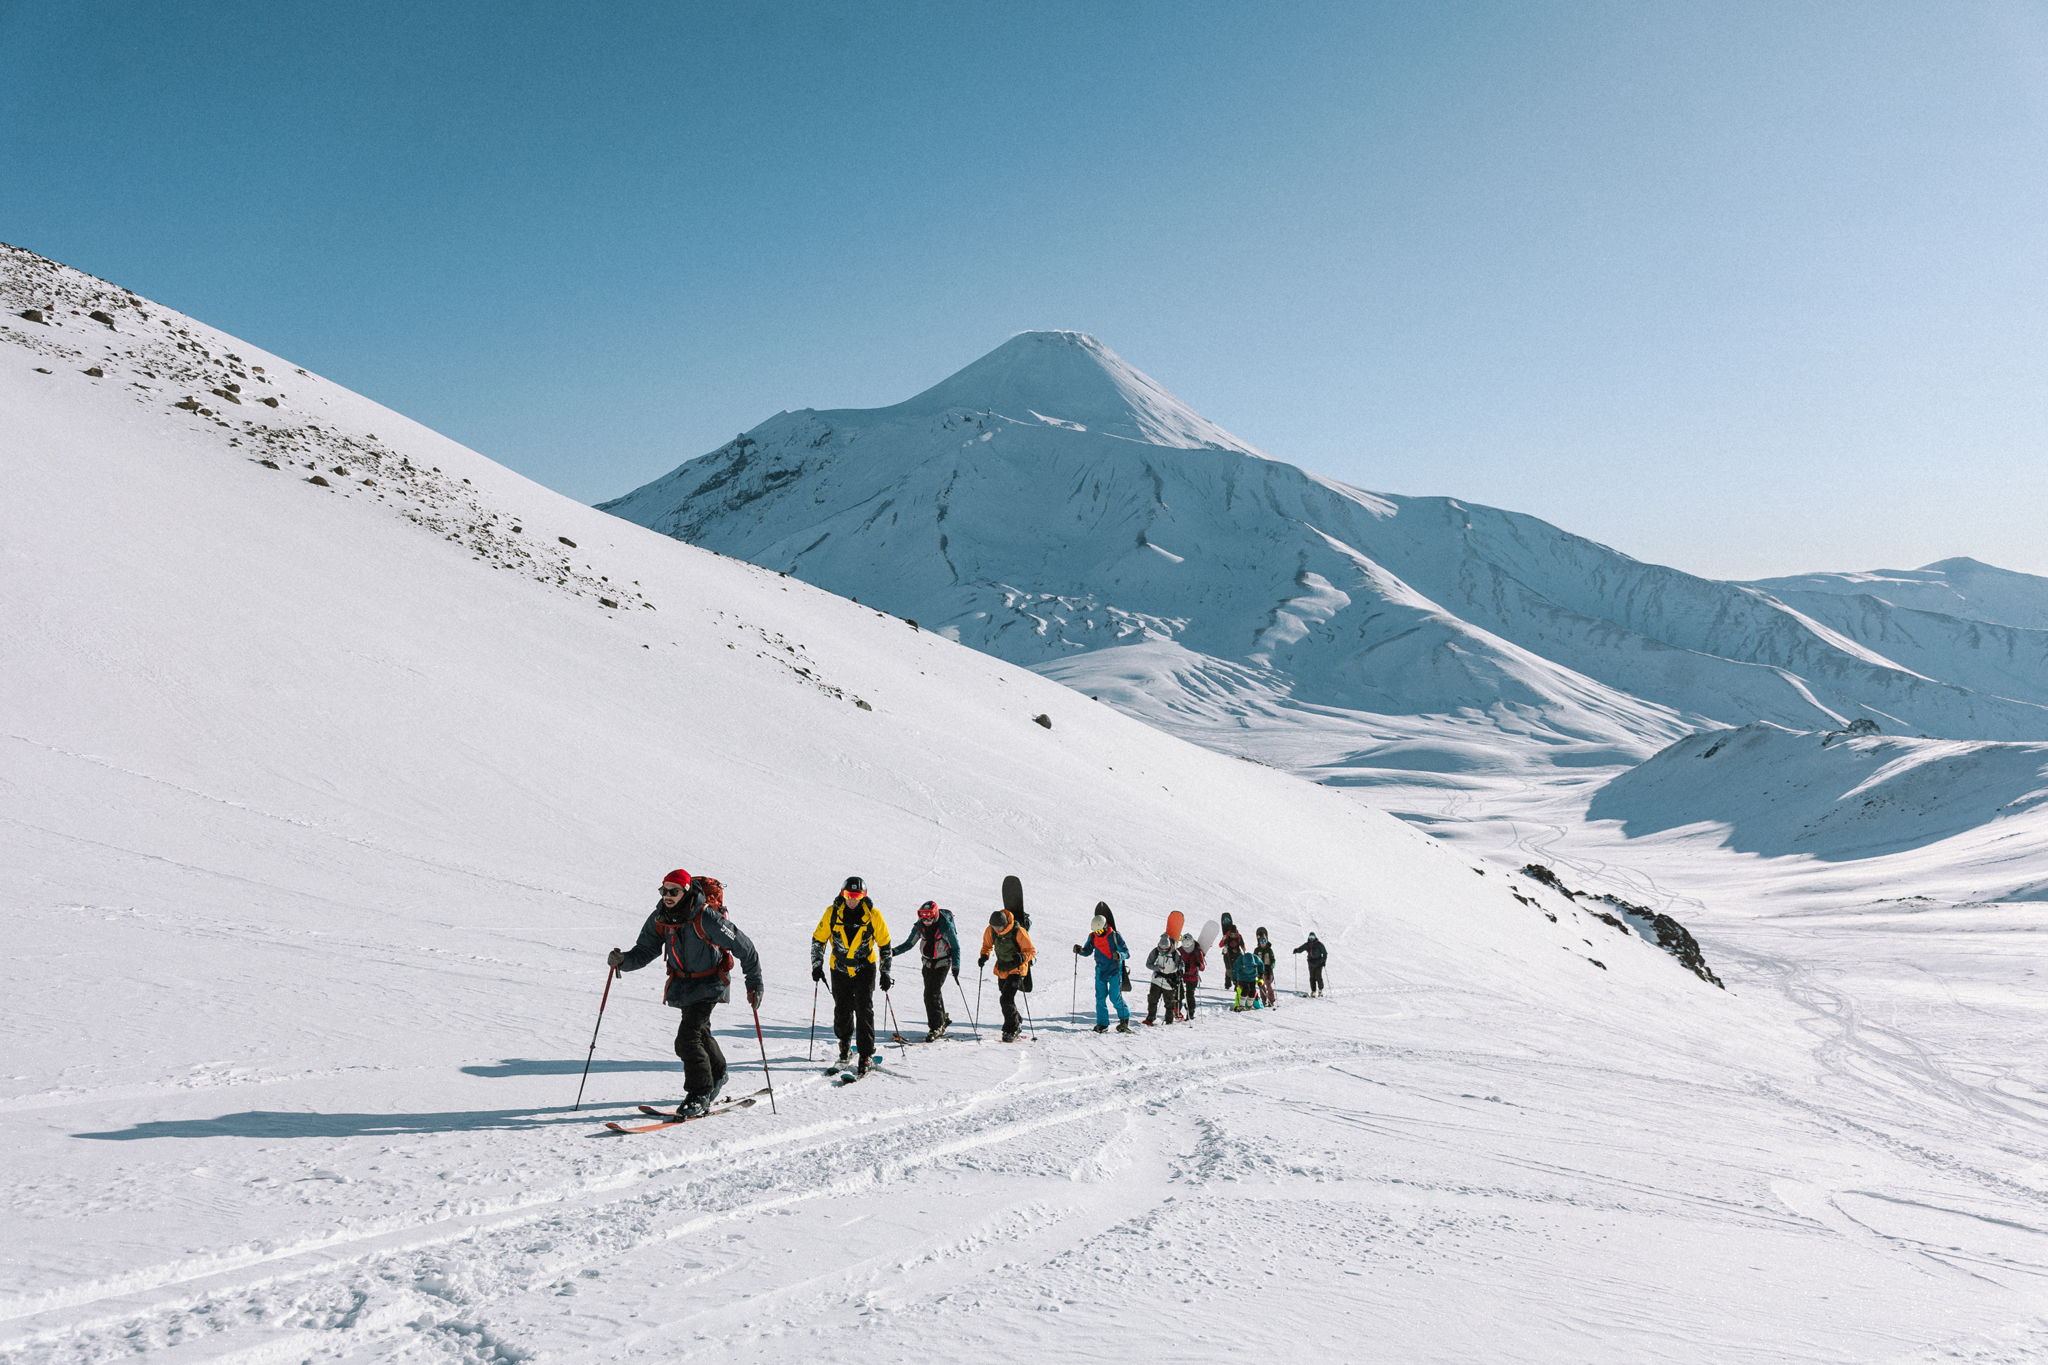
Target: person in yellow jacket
{"x": 853, "y": 929}
{"x": 1013, "y": 951}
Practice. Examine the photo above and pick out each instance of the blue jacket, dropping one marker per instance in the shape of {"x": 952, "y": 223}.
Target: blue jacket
{"x": 1110, "y": 963}
{"x": 694, "y": 949}
{"x": 941, "y": 944}
{"x": 1246, "y": 970}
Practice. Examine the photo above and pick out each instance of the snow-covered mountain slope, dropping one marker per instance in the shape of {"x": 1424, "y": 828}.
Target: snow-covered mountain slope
{"x": 323, "y": 799}
{"x": 1039, "y": 506}
{"x": 1778, "y": 792}
{"x": 1961, "y": 587}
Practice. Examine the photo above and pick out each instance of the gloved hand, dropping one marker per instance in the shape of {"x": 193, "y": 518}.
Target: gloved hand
{"x": 885, "y": 983}
{"x": 981, "y": 961}
{"x": 1080, "y": 950}
{"x": 614, "y": 958}
{"x": 956, "y": 973}
{"x": 754, "y": 999}
{"x": 817, "y": 972}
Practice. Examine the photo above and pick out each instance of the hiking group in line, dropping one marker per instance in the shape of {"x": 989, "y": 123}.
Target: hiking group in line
{"x": 852, "y": 952}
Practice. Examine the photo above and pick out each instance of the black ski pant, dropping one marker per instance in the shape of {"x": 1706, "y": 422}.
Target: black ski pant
{"x": 1315, "y": 978}
{"x": 853, "y": 1007}
{"x": 1187, "y": 1009}
{"x": 703, "y": 1060}
{"x": 1006, "y": 991}
{"x": 1168, "y": 996}
{"x": 935, "y": 994}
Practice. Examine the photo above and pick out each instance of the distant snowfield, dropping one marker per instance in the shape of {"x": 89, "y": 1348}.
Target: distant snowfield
{"x": 321, "y": 804}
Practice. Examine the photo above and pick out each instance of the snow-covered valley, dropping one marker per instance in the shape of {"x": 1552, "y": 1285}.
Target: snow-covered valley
{"x": 323, "y": 800}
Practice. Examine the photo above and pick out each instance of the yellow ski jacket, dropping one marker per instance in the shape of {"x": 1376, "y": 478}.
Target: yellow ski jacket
{"x": 855, "y": 933}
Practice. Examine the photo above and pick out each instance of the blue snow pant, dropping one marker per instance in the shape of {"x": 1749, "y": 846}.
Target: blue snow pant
{"x": 1106, "y": 991}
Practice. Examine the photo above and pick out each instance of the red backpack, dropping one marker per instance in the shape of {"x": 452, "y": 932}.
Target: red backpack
{"x": 714, "y": 899}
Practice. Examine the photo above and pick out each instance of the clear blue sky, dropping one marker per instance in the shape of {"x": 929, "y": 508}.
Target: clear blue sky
{"x": 1747, "y": 288}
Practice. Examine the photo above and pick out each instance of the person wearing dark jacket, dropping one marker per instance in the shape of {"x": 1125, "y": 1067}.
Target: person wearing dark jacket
{"x": 690, "y": 932}
{"x": 1267, "y": 961}
{"x": 1232, "y": 944}
{"x": 938, "y": 952}
{"x": 1317, "y": 956}
{"x": 853, "y": 929}
{"x": 1192, "y": 960}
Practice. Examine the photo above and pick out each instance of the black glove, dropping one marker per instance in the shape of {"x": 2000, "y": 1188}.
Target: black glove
{"x": 1080, "y": 950}
{"x": 956, "y": 973}
{"x": 754, "y": 999}
{"x": 885, "y": 983}
{"x": 817, "y": 972}
{"x": 981, "y": 961}
{"x": 614, "y": 958}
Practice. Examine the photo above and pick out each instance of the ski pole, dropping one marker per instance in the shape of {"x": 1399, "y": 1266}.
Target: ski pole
{"x": 1027, "y": 1015}
{"x": 811, "y": 1043}
{"x": 1074, "y": 989}
{"x": 610, "y": 974}
{"x": 766, "y": 1074}
{"x": 902, "y": 1045}
{"x": 974, "y": 1016}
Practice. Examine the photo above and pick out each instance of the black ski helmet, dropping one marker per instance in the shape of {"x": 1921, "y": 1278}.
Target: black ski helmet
{"x": 995, "y": 920}
{"x": 854, "y": 884}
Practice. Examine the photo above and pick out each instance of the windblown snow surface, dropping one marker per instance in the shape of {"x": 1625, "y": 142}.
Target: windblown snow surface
{"x": 337, "y": 755}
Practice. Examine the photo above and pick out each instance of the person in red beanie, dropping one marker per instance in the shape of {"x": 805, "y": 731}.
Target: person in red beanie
{"x": 690, "y": 933}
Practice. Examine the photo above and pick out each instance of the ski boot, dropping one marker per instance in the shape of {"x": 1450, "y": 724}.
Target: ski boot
{"x": 845, "y": 1057}
{"x": 1102, "y": 1028}
{"x": 1123, "y": 1026}
{"x": 694, "y": 1107}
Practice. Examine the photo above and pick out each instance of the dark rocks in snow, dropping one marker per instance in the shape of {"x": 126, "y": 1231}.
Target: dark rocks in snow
{"x": 104, "y": 319}
{"x": 319, "y": 481}
{"x": 606, "y": 602}
{"x": 189, "y": 404}
{"x": 1855, "y": 729}
{"x": 1662, "y": 930}
{"x": 862, "y": 705}
{"x": 268, "y": 464}
{"x": 268, "y": 402}
{"x": 224, "y": 394}
{"x": 566, "y": 541}
{"x": 33, "y": 315}
{"x": 1046, "y": 721}
{"x": 95, "y": 372}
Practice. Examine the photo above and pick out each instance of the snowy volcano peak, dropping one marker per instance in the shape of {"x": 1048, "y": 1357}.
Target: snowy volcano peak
{"x": 1069, "y": 379}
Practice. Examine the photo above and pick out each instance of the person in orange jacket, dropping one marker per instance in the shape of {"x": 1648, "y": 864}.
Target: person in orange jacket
{"x": 1010, "y": 945}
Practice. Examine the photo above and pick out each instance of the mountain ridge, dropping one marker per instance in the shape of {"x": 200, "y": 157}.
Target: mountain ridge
{"x": 1338, "y": 610}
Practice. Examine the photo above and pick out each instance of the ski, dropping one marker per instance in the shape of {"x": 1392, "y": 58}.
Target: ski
{"x": 673, "y": 1122}
{"x": 655, "y": 1112}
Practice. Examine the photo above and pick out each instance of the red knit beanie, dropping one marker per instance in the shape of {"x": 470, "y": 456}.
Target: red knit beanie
{"x": 678, "y": 877}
